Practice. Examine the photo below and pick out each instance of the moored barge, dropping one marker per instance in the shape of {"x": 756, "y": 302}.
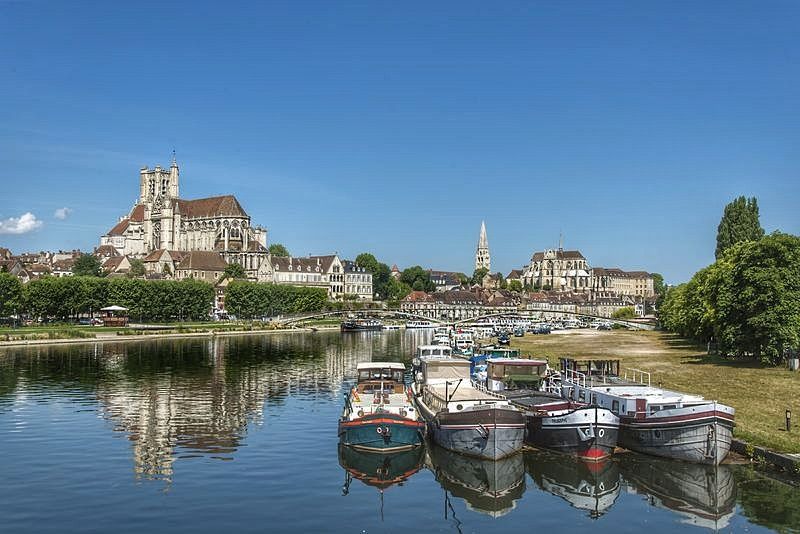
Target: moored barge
{"x": 652, "y": 420}
{"x": 379, "y": 413}
{"x": 460, "y": 417}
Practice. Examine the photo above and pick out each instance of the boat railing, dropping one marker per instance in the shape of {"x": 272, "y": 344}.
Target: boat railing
{"x": 637, "y": 375}
{"x": 575, "y": 377}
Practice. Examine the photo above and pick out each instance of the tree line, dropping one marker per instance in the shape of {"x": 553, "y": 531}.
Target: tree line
{"x": 748, "y": 300}
{"x": 250, "y": 300}
{"x": 69, "y": 297}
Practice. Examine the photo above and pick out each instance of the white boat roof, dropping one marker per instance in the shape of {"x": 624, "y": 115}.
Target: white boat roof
{"x": 422, "y": 347}
{"x": 380, "y": 365}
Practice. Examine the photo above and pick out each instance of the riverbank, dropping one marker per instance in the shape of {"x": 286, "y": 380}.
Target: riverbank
{"x": 761, "y": 395}
{"x": 50, "y": 335}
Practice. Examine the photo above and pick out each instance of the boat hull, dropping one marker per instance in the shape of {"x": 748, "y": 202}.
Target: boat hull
{"x": 383, "y": 432}
{"x": 703, "y": 438}
{"x": 490, "y": 432}
{"x": 590, "y": 434}
{"x": 359, "y": 328}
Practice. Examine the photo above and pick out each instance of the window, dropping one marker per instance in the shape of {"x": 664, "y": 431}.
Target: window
{"x": 615, "y": 406}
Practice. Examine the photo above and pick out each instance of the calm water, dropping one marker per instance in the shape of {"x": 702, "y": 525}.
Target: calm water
{"x": 240, "y": 433}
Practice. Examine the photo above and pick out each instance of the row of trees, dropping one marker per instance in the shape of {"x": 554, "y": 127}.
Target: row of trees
{"x": 71, "y": 296}
{"x": 748, "y": 301}
{"x": 249, "y": 300}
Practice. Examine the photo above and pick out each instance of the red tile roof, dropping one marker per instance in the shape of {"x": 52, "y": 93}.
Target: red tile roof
{"x": 120, "y": 227}
{"x": 202, "y": 260}
{"x": 137, "y": 215}
{"x": 222, "y": 206}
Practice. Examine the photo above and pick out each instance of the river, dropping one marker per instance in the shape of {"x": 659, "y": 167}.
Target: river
{"x": 239, "y": 433}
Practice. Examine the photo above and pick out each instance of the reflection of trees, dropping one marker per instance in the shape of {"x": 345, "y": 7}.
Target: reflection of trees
{"x": 198, "y": 395}
{"x": 766, "y": 501}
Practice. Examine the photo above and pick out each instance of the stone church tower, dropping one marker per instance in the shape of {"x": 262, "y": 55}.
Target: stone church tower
{"x": 482, "y": 257}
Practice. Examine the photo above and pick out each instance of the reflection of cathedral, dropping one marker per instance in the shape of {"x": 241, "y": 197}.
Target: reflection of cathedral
{"x": 161, "y": 220}
{"x": 216, "y": 389}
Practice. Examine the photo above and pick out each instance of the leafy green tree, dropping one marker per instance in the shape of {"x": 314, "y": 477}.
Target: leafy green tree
{"x": 626, "y": 312}
{"x": 756, "y": 298}
{"x": 11, "y": 297}
{"x": 137, "y": 269}
{"x": 87, "y": 265}
{"x": 463, "y": 279}
{"x": 515, "y": 285}
{"x": 739, "y": 223}
{"x": 249, "y": 300}
{"x": 234, "y": 271}
{"x": 503, "y": 282}
{"x": 412, "y": 275}
{"x": 276, "y": 249}
{"x": 381, "y": 274}
{"x": 478, "y": 274}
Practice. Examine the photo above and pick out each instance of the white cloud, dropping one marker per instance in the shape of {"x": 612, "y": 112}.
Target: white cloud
{"x": 27, "y": 222}
{"x": 62, "y": 213}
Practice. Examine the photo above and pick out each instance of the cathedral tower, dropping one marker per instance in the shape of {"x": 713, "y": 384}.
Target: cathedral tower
{"x": 482, "y": 257}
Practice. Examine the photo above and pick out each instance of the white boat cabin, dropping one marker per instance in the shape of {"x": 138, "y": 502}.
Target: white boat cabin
{"x": 380, "y": 389}
{"x": 598, "y": 382}
{"x": 447, "y": 386}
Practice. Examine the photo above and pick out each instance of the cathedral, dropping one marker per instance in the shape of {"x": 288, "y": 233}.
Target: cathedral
{"x": 161, "y": 220}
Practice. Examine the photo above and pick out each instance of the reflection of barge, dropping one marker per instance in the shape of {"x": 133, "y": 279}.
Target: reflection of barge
{"x": 592, "y": 487}
{"x": 490, "y": 487}
{"x": 379, "y": 470}
{"x": 652, "y": 420}
{"x": 704, "y": 494}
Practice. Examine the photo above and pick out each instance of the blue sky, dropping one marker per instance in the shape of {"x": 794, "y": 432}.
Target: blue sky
{"x": 396, "y": 127}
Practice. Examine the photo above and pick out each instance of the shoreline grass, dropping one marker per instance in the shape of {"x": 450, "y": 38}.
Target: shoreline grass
{"x": 760, "y": 394}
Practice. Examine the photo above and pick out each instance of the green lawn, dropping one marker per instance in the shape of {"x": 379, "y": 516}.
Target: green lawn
{"x": 760, "y": 395}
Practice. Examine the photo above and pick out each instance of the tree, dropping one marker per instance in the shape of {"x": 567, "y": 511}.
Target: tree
{"x": 503, "y": 282}
{"x": 515, "y": 285}
{"x": 10, "y": 294}
{"x": 756, "y": 298}
{"x": 381, "y": 274}
{"x": 659, "y": 288}
{"x": 739, "y": 223}
{"x": 276, "y": 249}
{"x": 626, "y": 312}
{"x": 415, "y": 274}
{"x": 87, "y": 265}
{"x": 478, "y": 274}
{"x": 234, "y": 271}
{"x": 137, "y": 269}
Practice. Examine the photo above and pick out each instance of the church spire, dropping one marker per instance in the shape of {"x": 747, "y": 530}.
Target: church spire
{"x": 482, "y": 257}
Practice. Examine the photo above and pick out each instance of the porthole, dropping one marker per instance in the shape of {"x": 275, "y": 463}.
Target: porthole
{"x": 459, "y": 407}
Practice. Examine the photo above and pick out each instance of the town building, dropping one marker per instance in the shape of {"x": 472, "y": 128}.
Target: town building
{"x": 483, "y": 260}
{"x": 558, "y": 270}
{"x": 445, "y": 280}
{"x": 613, "y": 280}
{"x": 314, "y": 271}
{"x": 357, "y": 281}
{"x": 208, "y": 266}
{"x": 161, "y": 220}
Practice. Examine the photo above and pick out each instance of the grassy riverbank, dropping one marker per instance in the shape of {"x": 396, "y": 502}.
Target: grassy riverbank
{"x": 760, "y": 395}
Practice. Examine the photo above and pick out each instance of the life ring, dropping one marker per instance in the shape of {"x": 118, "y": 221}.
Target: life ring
{"x": 379, "y": 430}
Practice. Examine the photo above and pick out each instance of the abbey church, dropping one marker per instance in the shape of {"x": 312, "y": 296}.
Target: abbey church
{"x": 162, "y": 221}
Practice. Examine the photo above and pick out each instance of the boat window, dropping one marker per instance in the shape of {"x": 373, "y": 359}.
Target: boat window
{"x": 615, "y": 406}
{"x": 668, "y": 407}
{"x": 582, "y": 396}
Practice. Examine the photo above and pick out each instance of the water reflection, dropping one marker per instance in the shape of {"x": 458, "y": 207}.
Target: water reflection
{"x": 169, "y": 400}
{"x": 489, "y": 487}
{"x": 704, "y": 495}
{"x": 379, "y": 470}
{"x": 591, "y": 487}
{"x": 178, "y": 399}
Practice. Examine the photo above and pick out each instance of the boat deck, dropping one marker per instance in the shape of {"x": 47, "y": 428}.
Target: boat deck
{"x": 531, "y": 399}
{"x": 464, "y": 392}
